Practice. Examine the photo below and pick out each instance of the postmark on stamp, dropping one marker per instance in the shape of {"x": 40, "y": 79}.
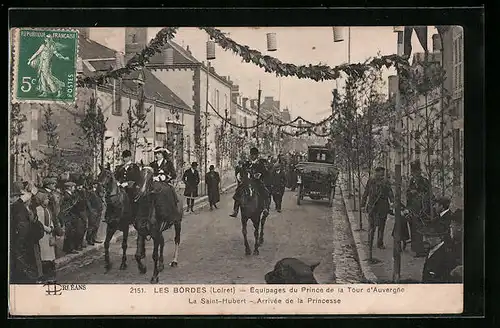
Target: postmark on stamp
{"x": 44, "y": 66}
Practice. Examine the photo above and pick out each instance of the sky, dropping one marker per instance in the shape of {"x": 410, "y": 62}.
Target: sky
{"x": 296, "y": 45}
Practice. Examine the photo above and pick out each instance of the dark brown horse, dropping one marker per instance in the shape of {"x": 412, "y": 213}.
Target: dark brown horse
{"x": 252, "y": 206}
{"x": 118, "y": 215}
{"x": 158, "y": 208}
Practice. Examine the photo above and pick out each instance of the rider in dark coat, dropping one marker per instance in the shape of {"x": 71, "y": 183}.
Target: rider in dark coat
{"x": 258, "y": 173}
{"x": 128, "y": 174}
{"x": 164, "y": 173}
{"x": 237, "y": 173}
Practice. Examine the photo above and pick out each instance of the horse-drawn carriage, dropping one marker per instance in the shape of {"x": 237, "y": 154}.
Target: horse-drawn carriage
{"x": 318, "y": 176}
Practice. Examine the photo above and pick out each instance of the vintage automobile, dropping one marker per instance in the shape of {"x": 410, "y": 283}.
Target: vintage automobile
{"x": 317, "y": 177}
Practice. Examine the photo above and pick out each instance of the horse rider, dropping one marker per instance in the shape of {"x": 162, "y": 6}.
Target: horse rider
{"x": 258, "y": 174}
{"x": 163, "y": 167}
{"x": 128, "y": 176}
{"x": 237, "y": 173}
{"x": 163, "y": 174}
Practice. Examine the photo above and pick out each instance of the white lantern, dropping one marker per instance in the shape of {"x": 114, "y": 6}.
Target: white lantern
{"x": 338, "y": 34}
{"x": 210, "y": 50}
{"x": 119, "y": 60}
{"x": 271, "y": 42}
{"x": 169, "y": 56}
{"x": 398, "y": 29}
{"x": 436, "y": 43}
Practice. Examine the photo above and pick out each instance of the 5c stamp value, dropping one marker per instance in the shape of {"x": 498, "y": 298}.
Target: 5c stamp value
{"x": 45, "y": 66}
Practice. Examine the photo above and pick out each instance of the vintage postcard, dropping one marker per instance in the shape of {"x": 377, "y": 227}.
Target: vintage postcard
{"x": 236, "y": 170}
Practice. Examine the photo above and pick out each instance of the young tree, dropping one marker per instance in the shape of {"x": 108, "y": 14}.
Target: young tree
{"x": 136, "y": 125}
{"x": 92, "y": 124}
{"x": 17, "y": 119}
{"x": 53, "y": 159}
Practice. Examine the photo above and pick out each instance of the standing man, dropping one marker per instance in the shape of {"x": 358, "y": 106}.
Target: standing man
{"x": 418, "y": 197}
{"x": 191, "y": 179}
{"x": 128, "y": 175}
{"x": 212, "y": 180}
{"x": 96, "y": 206}
{"x": 376, "y": 200}
{"x": 278, "y": 183}
{"x": 82, "y": 213}
{"x": 69, "y": 215}
{"x": 439, "y": 262}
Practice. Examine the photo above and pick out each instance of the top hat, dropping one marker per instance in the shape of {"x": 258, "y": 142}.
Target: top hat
{"x": 211, "y": 167}
{"x": 415, "y": 166}
{"x": 254, "y": 150}
{"x": 16, "y": 188}
{"x": 126, "y": 153}
{"x": 194, "y": 164}
{"x": 380, "y": 169}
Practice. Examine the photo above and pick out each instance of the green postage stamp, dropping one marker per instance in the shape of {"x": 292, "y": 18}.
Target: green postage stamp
{"x": 44, "y": 66}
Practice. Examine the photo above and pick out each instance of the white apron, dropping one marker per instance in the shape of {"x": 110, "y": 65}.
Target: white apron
{"x": 47, "y": 252}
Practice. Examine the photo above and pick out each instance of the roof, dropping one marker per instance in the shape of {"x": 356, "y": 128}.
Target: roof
{"x": 154, "y": 88}
{"x": 181, "y": 55}
{"x": 89, "y": 49}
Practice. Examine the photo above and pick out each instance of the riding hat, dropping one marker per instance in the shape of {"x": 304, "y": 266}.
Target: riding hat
{"x": 159, "y": 149}
{"x": 126, "y": 153}
{"x": 69, "y": 184}
{"x": 254, "y": 150}
{"x": 194, "y": 164}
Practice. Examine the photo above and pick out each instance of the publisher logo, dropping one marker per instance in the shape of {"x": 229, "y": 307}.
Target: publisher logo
{"x": 53, "y": 289}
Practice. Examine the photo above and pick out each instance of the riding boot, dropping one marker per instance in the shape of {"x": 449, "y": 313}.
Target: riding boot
{"x": 236, "y": 208}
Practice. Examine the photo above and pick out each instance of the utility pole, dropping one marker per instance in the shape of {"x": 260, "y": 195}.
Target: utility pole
{"x": 258, "y": 116}
{"x": 206, "y": 128}
{"x": 396, "y": 274}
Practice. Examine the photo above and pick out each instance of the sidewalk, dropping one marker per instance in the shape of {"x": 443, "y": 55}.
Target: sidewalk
{"x": 199, "y": 203}
{"x": 381, "y": 272}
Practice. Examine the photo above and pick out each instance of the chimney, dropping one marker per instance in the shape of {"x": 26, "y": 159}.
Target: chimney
{"x": 188, "y": 51}
{"x": 393, "y": 86}
{"x": 253, "y": 103}
{"x": 244, "y": 102}
{"x": 271, "y": 99}
{"x": 212, "y": 70}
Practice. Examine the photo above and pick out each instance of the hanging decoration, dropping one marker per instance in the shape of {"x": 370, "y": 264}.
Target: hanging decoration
{"x": 338, "y": 34}
{"x": 210, "y": 50}
{"x": 270, "y": 64}
{"x": 271, "y": 42}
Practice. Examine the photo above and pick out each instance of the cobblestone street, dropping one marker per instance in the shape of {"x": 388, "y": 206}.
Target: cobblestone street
{"x": 212, "y": 248}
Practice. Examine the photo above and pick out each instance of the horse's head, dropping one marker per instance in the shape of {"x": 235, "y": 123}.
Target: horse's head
{"x": 107, "y": 181}
{"x": 249, "y": 198}
{"x": 145, "y": 182}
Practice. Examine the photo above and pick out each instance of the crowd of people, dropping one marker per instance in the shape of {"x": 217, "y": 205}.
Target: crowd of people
{"x": 62, "y": 215}
{"x": 429, "y": 225}
{"x": 66, "y": 207}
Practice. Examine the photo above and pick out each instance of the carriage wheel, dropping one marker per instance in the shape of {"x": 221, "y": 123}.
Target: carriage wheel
{"x": 299, "y": 195}
{"x": 331, "y": 197}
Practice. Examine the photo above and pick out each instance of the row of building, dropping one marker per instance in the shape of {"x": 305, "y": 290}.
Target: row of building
{"x": 433, "y": 125}
{"x": 188, "y": 103}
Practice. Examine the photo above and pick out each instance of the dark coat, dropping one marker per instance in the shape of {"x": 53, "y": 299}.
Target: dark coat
{"x": 69, "y": 207}
{"x": 132, "y": 173}
{"x": 166, "y": 166}
{"x": 418, "y": 197}
{"x": 278, "y": 182}
{"x": 376, "y": 197}
{"x": 191, "y": 180}
{"x": 25, "y": 232}
{"x": 438, "y": 266}
{"x": 212, "y": 179}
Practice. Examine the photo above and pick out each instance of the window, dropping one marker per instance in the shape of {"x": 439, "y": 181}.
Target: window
{"x": 134, "y": 38}
{"x": 161, "y": 139}
{"x": 117, "y": 98}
